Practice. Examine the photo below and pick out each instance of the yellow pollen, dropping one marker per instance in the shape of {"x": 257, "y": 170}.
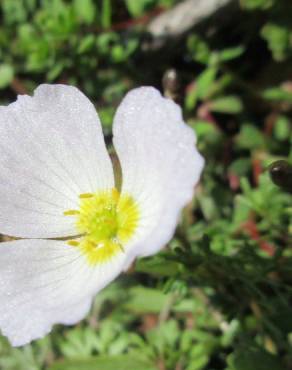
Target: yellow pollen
{"x": 107, "y": 220}
{"x": 73, "y": 243}
{"x": 86, "y": 195}
{"x": 71, "y": 212}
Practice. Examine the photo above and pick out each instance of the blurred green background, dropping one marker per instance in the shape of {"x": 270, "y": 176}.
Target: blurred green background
{"x": 219, "y": 297}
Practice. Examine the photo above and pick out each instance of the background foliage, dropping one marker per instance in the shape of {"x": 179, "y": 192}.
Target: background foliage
{"x": 219, "y": 296}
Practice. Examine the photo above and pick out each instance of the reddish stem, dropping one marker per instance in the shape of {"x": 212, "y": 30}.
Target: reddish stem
{"x": 234, "y": 181}
{"x": 18, "y": 87}
{"x": 270, "y": 123}
{"x": 141, "y": 20}
{"x": 251, "y": 228}
{"x": 256, "y": 170}
{"x": 124, "y": 25}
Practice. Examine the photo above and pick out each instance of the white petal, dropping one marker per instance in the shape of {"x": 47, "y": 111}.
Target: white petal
{"x": 45, "y": 282}
{"x": 160, "y": 164}
{"x": 51, "y": 150}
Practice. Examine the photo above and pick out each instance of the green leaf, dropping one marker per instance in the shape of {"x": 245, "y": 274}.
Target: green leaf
{"x": 165, "y": 336}
{"x": 231, "y": 53}
{"x": 118, "y": 53}
{"x": 254, "y": 359}
{"x": 120, "y": 362}
{"x": 201, "y": 87}
{"x": 137, "y": 8}
{"x": 278, "y": 38}
{"x": 191, "y": 98}
{"x": 203, "y": 128}
{"x": 13, "y": 11}
{"x": 86, "y": 43}
{"x": 85, "y": 10}
{"x": 240, "y": 167}
{"x": 282, "y": 128}
{"x": 208, "y": 207}
{"x": 105, "y": 42}
{"x": 157, "y": 267}
{"x": 6, "y": 75}
{"x": 250, "y": 137}
{"x": 277, "y": 94}
{"x": 144, "y": 300}
{"x": 227, "y": 104}
{"x": 199, "y": 49}
{"x": 205, "y": 81}
{"x": 257, "y": 4}
{"x": 79, "y": 342}
{"x": 55, "y": 71}
{"x": 106, "y": 14}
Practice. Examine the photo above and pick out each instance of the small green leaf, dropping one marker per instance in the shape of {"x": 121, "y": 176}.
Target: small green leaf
{"x": 137, "y": 8}
{"x": 157, "y": 267}
{"x": 85, "y": 10}
{"x": 278, "y": 38}
{"x": 277, "y": 94}
{"x": 208, "y": 207}
{"x": 254, "y": 359}
{"x": 146, "y": 300}
{"x": 55, "y": 71}
{"x": 6, "y": 75}
{"x": 106, "y": 41}
{"x": 250, "y": 137}
{"x": 231, "y": 53}
{"x": 106, "y": 14}
{"x": 199, "y": 49}
{"x": 203, "y": 128}
{"x": 205, "y": 81}
{"x": 118, "y": 53}
{"x": 240, "y": 167}
{"x": 282, "y": 128}
{"x": 201, "y": 88}
{"x": 86, "y": 44}
{"x": 120, "y": 362}
{"x": 257, "y": 4}
{"x": 227, "y": 104}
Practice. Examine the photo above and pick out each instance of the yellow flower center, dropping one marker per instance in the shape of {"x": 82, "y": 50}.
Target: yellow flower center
{"x": 107, "y": 220}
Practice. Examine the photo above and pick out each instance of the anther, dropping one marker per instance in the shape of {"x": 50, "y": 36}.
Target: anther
{"x": 115, "y": 194}
{"x": 116, "y": 240}
{"x": 71, "y": 212}
{"x": 85, "y": 195}
{"x": 73, "y": 243}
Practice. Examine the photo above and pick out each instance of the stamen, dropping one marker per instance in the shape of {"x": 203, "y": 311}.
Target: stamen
{"x": 115, "y": 194}
{"x": 106, "y": 221}
{"x": 121, "y": 247}
{"x": 119, "y": 244}
{"x": 73, "y": 243}
{"x": 71, "y": 212}
{"x": 86, "y": 195}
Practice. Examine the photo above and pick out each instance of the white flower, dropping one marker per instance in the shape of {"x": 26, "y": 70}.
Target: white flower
{"x": 57, "y": 193}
